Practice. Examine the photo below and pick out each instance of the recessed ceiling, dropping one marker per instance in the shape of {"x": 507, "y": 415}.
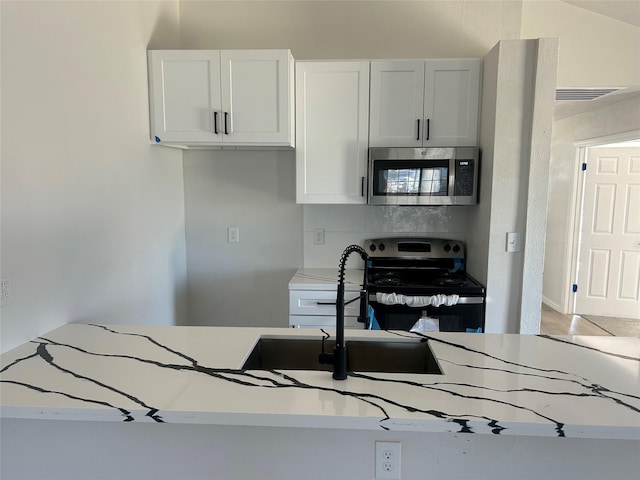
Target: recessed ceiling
{"x": 627, "y": 11}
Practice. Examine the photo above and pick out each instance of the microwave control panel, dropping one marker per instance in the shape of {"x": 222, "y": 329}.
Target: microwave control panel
{"x": 464, "y": 178}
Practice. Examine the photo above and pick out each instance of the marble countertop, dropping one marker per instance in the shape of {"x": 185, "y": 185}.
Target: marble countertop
{"x": 325, "y": 279}
{"x": 491, "y": 384}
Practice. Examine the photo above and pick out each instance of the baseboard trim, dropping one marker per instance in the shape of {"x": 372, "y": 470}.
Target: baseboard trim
{"x": 551, "y": 304}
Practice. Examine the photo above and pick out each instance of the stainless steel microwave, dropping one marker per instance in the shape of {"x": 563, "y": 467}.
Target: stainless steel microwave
{"x": 423, "y": 176}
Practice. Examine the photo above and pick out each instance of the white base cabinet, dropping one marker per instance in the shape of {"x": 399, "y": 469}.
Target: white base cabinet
{"x": 424, "y": 103}
{"x": 222, "y": 97}
{"x": 332, "y": 121}
{"x": 312, "y": 298}
{"x": 317, "y": 309}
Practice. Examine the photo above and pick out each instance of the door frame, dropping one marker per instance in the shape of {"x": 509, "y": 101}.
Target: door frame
{"x": 573, "y": 240}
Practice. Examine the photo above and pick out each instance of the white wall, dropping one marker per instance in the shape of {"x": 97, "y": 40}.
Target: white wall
{"x": 352, "y": 29}
{"x": 92, "y": 215}
{"x": 519, "y": 80}
{"x": 595, "y": 51}
{"x": 478, "y": 241}
{"x": 601, "y": 121}
{"x": 542, "y": 101}
{"x": 188, "y": 452}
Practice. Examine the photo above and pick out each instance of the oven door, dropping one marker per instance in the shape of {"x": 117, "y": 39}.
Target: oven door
{"x": 466, "y": 316}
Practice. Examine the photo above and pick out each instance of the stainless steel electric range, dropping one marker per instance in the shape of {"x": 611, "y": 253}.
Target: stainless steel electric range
{"x": 422, "y": 283}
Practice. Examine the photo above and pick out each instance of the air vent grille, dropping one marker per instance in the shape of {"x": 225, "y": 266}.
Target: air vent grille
{"x": 582, "y": 94}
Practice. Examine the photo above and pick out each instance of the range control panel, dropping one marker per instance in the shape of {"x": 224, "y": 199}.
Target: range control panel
{"x": 410, "y": 247}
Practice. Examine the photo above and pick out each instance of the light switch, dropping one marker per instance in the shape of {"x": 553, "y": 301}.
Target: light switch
{"x": 513, "y": 242}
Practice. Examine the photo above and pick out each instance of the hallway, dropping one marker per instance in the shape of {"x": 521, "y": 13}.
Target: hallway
{"x": 555, "y": 323}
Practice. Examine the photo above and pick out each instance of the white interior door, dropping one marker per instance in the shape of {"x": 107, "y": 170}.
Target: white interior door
{"x": 609, "y": 259}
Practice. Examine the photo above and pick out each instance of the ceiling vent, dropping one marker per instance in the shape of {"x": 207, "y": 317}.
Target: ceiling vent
{"x": 582, "y": 94}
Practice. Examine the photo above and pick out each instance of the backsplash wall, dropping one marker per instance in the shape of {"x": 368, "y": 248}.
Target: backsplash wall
{"x": 347, "y": 224}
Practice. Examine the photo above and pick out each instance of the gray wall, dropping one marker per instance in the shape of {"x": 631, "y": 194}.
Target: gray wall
{"x": 241, "y": 283}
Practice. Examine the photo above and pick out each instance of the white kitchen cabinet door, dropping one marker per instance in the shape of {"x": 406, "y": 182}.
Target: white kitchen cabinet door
{"x": 257, "y": 97}
{"x": 332, "y": 119}
{"x": 424, "y": 103}
{"x": 227, "y": 97}
{"x": 451, "y": 102}
{"x": 184, "y": 94}
{"x": 396, "y": 108}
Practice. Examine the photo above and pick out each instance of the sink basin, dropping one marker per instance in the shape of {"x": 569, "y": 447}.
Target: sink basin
{"x": 362, "y": 355}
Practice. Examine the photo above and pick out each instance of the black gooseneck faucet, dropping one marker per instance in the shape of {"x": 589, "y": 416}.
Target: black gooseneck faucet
{"x": 339, "y": 356}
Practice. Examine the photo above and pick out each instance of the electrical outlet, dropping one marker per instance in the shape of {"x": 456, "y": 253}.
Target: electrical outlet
{"x": 233, "y": 235}
{"x": 318, "y": 236}
{"x": 6, "y": 297}
{"x": 388, "y": 460}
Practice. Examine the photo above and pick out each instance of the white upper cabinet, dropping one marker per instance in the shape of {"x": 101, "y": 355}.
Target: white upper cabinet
{"x": 417, "y": 103}
{"x": 332, "y": 118}
{"x": 397, "y": 103}
{"x": 221, "y": 97}
{"x": 257, "y": 96}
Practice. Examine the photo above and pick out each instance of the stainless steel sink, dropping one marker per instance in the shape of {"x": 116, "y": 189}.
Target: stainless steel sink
{"x": 362, "y": 355}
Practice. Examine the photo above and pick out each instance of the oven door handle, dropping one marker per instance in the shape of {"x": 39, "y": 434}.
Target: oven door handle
{"x": 461, "y": 300}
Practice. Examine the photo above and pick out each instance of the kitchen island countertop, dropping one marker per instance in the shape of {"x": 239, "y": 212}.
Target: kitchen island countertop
{"x": 491, "y": 384}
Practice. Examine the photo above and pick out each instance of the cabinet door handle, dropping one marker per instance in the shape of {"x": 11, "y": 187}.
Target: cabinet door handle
{"x": 347, "y": 302}
{"x": 226, "y": 123}
{"x": 215, "y": 123}
{"x": 362, "y": 186}
{"x": 418, "y": 136}
{"x": 428, "y": 128}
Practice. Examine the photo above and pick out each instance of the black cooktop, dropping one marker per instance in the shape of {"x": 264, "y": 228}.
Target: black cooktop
{"x": 418, "y": 266}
